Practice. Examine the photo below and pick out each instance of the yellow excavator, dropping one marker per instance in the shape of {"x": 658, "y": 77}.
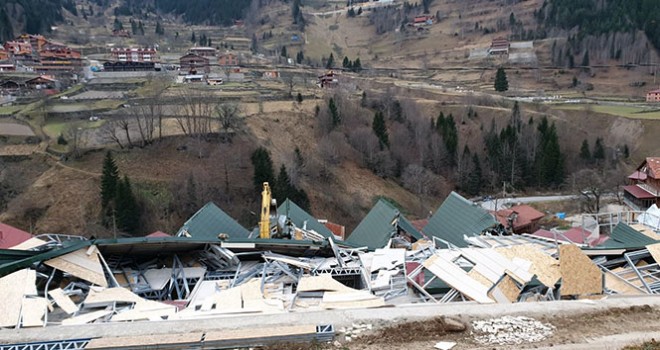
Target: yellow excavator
{"x": 266, "y": 202}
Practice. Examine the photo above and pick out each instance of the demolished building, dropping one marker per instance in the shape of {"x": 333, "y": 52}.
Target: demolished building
{"x": 214, "y": 267}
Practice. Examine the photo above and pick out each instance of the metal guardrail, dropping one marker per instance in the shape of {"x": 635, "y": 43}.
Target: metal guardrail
{"x": 68, "y": 344}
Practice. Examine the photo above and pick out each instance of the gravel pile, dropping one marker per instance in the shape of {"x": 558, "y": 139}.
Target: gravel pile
{"x": 510, "y": 330}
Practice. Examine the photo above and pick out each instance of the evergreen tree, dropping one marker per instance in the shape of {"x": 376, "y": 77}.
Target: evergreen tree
{"x": 117, "y": 25}
{"x": 474, "y": 177}
{"x": 331, "y": 61}
{"x": 363, "y": 100}
{"x": 134, "y": 27}
{"x": 141, "y": 28}
{"x": 599, "y": 150}
{"x": 128, "y": 212}
{"x": 626, "y": 151}
{"x": 282, "y": 186}
{"x": 159, "y": 28}
{"x": 283, "y": 52}
{"x": 549, "y": 161}
{"x": 501, "y": 82}
{"x": 447, "y": 128}
{"x": 334, "y": 113}
{"x": 585, "y": 154}
{"x": 263, "y": 168}
{"x": 359, "y": 11}
{"x": 351, "y": 12}
{"x": 357, "y": 66}
{"x": 192, "y": 38}
{"x": 109, "y": 180}
{"x": 299, "y": 98}
{"x": 380, "y": 129}
{"x": 345, "y": 62}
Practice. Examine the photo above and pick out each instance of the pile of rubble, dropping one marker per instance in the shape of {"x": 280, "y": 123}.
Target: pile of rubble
{"x": 511, "y": 330}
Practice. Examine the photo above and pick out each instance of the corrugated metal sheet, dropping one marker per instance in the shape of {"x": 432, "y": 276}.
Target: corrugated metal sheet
{"x": 626, "y": 237}
{"x": 299, "y": 216}
{"x": 210, "y": 221}
{"x": 456, "y": 217}
{"x": 376, "y": 228}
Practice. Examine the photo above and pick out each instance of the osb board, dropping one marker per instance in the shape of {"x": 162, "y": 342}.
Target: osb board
{"x": 12, "y": 288}
{"x": 612, "y": 282}
{"x": 144, "y": 340}
{"x": 140, "y": 315}
{"x": 63, "y": 301}
{"x": 111, "y": 295}
{"x": 545, "y": 267}
{"x": 507, "y": 287}
{"x": 323, "y": 282}
{"x": 85, "y": 318}
{"x": 33, "y": 311}
{"x": 646, "y": 231}
{"x": 480, "y": 278}
{"x": 654, "y": 249}
{"x": 82, "y": 265}
{"x": 29, "y": 244}
{"x": 579, "y": 275}
{"x": 282, "y": 331}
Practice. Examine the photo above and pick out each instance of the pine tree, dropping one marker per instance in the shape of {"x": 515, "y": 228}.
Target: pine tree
{"x": 334, "y": 113}
{"x": 283, "y": 52}
{"x": 474, "y": 178}
{"x": 501, "y": 82}
{"x": 380, "y": 129}
{"x": 299, "y": 98}
{"x": 626, "y": 151}
{"x": 263, "y": 168}
{"x": 128, "y": 212}
{"x": 282, "y": 185}
{"x": 357, "y": 65}
{"x": 599, "y": 150}
{"x": 331, "y": 61}
{"x": 109, "y": 180}
{"x": 192, "y": 38}
{"x": 585, "y": 154}
{"x": 345, "y": 62}
{"x": 159, "y": 28}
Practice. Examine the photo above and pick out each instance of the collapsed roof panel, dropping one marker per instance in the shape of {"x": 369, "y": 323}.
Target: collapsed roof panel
{"x": 626, "y": 237}
{"x": 300, "y": 218}
{"x": 380, "y": 224}
{"x": 457, "y": 217}
{"x": 209, "y": 222}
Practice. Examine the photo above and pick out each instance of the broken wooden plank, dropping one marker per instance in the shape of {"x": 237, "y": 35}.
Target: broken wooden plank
{"x": 457, "y": 278}
{"x": 654, "y": 249}
{"x": 617, "y": 284}
{"x": 29, "y": 244}
{"x": 83, "y": 263}
{"x": 33, "y": 311}
{"x": 505, "y": 290}
{"x": 323, "y": 282}
{"x": 579, "y": 275}
{"x": 13, "y": 287}
{"x": 544, "y": 266}
{"x": 63, "y": 301}
{"x": 86, "y": 318}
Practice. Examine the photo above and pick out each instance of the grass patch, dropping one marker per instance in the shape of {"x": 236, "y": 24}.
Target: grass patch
{"x": 649, "y": 345}
{"x": 56, "y": 128}
{"x": 633, "y": 112}
{"x": 9, "y": 110}
{"x": 89, "y": 106}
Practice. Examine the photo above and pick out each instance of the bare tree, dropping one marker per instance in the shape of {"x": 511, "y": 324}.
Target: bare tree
{"x": 229, "y": 119}
{"x": 125, "y": 124}
{"x": 592, "y": 185}
{"x": 110, "y": 132}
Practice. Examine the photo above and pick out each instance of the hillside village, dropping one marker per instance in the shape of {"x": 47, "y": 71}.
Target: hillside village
{"x": 277, "y": 167}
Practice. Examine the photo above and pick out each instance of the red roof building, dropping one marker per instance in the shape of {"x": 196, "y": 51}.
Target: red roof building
{"x": 520, "y": 218}
{"x": 644, "y": 188}
{"x": 576, "y": 235}
{"x": 653, "y": 96}
{"x": 11, "y": 236}
{"x": 158, "y": 234}
{"x": 134, "y": 54}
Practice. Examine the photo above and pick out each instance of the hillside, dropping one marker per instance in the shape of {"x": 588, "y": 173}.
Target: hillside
{"x": 366, "y": 140}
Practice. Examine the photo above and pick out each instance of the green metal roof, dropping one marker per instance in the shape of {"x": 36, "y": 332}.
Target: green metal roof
{"x": 457, "y": 217}
{"x": 299, "y": 217}
{"x": 626, "y": 237}
{"x": 27, "y": 261}
{"x": 375, "y": 230}
{"x": 210, "y": 221}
